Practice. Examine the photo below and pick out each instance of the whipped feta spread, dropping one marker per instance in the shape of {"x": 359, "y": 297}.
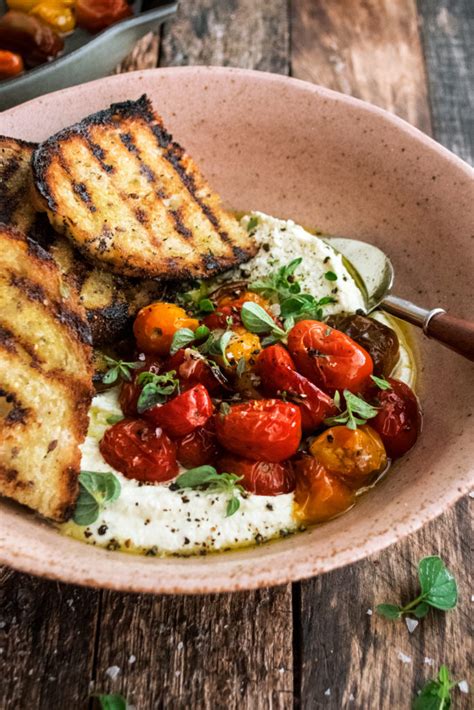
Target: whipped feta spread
{"x": 156, "y": 520}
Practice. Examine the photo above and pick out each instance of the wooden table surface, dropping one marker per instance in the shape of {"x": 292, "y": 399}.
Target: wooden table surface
{"x": 312, "y": 644}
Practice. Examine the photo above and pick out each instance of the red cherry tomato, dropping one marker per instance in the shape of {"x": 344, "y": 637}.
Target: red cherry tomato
{"x": 319, "y": 495}
{"x": 278, "y": 374}
{"x": 261, "y": 430}
{"x": 182, "y": 414}
{"x": 96, "y": 15}
{"x": 28, "y": 36}
{"x": 218, "y": 319}
{"x": 261, "y": 477}
{"x": 130, "y": 391}
{"x": 139, "y": 451}
{"x": 199, "y": 447}
{"x": 10, "y": 64}
{"x": 398, "y": 422}
{"x": 329, "y": 358}
{"x": 192, "y": 370}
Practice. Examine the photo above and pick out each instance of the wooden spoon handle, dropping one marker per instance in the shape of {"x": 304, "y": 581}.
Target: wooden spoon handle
{"x": 456, "y": 333}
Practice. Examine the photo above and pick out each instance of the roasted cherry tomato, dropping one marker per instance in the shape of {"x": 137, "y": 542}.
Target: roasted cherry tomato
{"x": 27, "y": 35}
{"x": 319, "y": 495}
{"x": 96, "y": 15}
{"x": 278, "y": 375}
{"x": 265, "y": 478}
{"x": 182, "y": 414}
{"x": 353, "y": 454}
{"x": 10, "y": 64}
{"x": 22, "y": 5}
{"x": 199, "y": 447}
{"x": 261, "y": 430}
{"x": 156, "y": 324}
{"x": 130, "y": 391}
{"x": 230, "y": 307}
{"x": 242, "y": 346}
{"x": 380, "y": 341}
{"x": 399, "y": 419}
{"x": 193, "y": 369}
{"x": 329, "y": 358}
{"x": 139, "y": 451}
{"x": 56, "y": 14}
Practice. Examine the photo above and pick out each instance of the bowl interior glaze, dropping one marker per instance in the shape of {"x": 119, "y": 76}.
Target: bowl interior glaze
{"x": 296, "y": 150}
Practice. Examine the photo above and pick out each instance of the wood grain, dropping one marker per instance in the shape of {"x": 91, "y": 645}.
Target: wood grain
{"x": 144, "y": 55}
{"x": 367, "y": 48}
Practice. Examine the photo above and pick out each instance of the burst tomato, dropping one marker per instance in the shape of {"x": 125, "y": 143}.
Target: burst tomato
{"x": 399, "y": 419}
{"x": 199, "y": 447}
{"x": 96, "y": 15}
{"x": 261, "y": 430}
{"x": 193, "y": 369}
{"x": 278, "y": 374}
{"x": 265, "y": 478}
{"x": 242, "y": 346}
{"x": 156, "y": 324}
{"x": 353, "y": 454}
{"x": 130, "y": 391}
{"x": 329, "y": 358}
{"x": 139, "y": 451}
{"x": 230, "y": 307}
{"x": 319, "y": 495}
{"x": 182, "y": 414}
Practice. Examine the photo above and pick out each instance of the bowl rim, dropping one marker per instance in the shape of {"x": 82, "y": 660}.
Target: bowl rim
{"x": 187, "y": 577}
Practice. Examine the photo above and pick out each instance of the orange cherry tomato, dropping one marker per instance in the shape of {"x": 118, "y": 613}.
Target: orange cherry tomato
{"x": 96, "y": 15}
{"x": 264, "y": 478}
{"x": 139, "y": 451}
{"x": 27, "y": 35}
{"x": 156, "y": 324}
{"x": 10, "y": 64}
{"x": 261, "y": 430}
{"x": 399, "y": 420}
{"x": 242, "y": 346}
{"x": 353, "y": 454}
{"x": 278, "y": 375}
{"x": 319, "y": 495}
{"x": 199, "y": 447}
{"x": 183, "y": 413}
{"x": 230, "y": 307}
{"x": 329, "y": 358}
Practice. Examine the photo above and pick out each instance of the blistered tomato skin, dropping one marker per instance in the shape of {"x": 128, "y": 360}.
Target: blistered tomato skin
{"x": 130, "y": 391}
{"x": 399, "y": 420}
{"x": 139, "y": 451}
{"x": 355, "y": 455}
{"x": 199, "y": 447}
{"x": 191, "y": 370}
{"x": 11, "y": 64}
{"x": 242, "y": 346}
{"x": 183, "y": 413}
{"x": 278, "y": 374}
{"x": 230, "y": 307}
{"x": 156, "y": 324}
{"x": 329, "y": 358}
{"x": 96, "y": 15}
{"x": 319, "y": 495}
{"x": 263, "y": 478}
{"x": 260, "y": 430}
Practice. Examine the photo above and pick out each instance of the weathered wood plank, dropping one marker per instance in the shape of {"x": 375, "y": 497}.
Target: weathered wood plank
{"x": 242, "y": 33}
{"x": 47, "y": 634}
{"x": 367, "y": 48}
{"x": 222, "y": 651}
{"x": 447, "y": 28}
{"x": 144, "y": 55}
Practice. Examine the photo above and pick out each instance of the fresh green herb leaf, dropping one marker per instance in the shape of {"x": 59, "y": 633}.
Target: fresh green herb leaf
{"x": 114, "y": 418}
{"x": 182, "y": 338}
{"x": 201, "y": 332}
{"x": 330, "y": 276}
{"x": 256, "y": 320}
{"x": 381, "y": 382}
{"x": 303, "y": 305}
{"x": 241, "y": 367}
{"x": 337, "y": 399}
{"x": 252, "y": 224}
{"x": 390, "y": 611}
{"x": 205, "y": 305}
{"x": 206, "y": 477}
{"x": 279, "y": 285}
{"x": 224, "y": 409}
{"x": 436, "y": 694}
{"x": 112, "y": 702}
{"x": 118, "y": 370}
{"x": 95, "y": 491}
{"x": 357, "y": 412}
{"x": 438, "y": 590}
{"x": 156, "y": 389}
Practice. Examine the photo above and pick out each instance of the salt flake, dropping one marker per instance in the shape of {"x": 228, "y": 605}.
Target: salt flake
{"x": 463, "y": 686}
{"x": 411, "y": 624}
{"x": 112, "y": 672}
{"x": 403, "y": 657}
{"x": 428, "y": 661}
{"x": 327, "y": 692}
{"x": 132, "y": 659}
{"x": 369, "y": 612}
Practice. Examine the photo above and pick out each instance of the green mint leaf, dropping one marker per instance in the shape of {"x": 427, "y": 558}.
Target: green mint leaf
{"x": 156, "y": 389}
{"x": 110, "y": 376}
{"x": 118, "y": 369}
{"x": 181, "y": 338}
{"x": 389, "y": 611}
{"x": 195, "y": 477}
{"x": 356, "y": 413}
{"x": 96, "y": 489}
{"x": 207, "y": 476}
{"x": 421, "y": 610}
{"x": 381, "y": 382}
{"x": 252, "y": 224}
{"x": 112, "y": 702}
{"x": 280, "y": 284}
{"x": 330, "y": 276}
{"x": 438, "y": 585}
{"x": 87, "y": 508}
{"x": 256, "y": 319}
{"x": 233, "y": 504}
{"x": 205, "y": 305}
{"x": 114, "y": 418}
{"x": 436, "y": 694}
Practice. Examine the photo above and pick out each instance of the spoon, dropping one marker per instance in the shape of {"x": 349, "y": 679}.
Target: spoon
{"x": 377, "y": 274}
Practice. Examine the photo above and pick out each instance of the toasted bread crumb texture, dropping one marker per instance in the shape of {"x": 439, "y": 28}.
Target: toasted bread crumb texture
{"x": 45, "y": 379}
{"x": 130, "y": 198}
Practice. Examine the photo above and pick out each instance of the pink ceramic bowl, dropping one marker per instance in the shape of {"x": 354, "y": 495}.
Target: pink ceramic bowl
{"x": 296, "y": 150}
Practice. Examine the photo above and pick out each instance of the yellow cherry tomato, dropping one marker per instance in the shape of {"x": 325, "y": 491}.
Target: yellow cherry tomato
{"x": 230, "y": 300}
{"x": 353, "y": 454}
{"x": 55, "y": 14}
{"x": 243, "y": 345}
{"x": 319, "y": 495}
{"x": 156, "y": 324}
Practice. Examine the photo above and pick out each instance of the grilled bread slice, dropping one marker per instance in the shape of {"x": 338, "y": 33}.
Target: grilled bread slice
{"x": 45, "y": 379}
{"x": 131, "y": 199}
{"x": 110, "y": 301}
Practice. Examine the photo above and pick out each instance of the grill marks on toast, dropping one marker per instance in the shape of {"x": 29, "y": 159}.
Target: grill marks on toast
{"x": 45, "y": 379}
{"x": 129, "y": 197}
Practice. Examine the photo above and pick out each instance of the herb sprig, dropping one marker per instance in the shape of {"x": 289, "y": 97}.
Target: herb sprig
{"x": 96, "y": 489}
{"x": 279, "y": 285}
{"x": 356, "y": 413}
{"x": 381, "y": 383}
{"x": 438, "y": 590}
{"x": 206, "y": 477}
{"x": 119, "y": 369}
{"x": 436, "y": 694}
{"x": 114, "y": 701}
{"x": 156, "y": 389}
{"x": 215, "y": 343}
